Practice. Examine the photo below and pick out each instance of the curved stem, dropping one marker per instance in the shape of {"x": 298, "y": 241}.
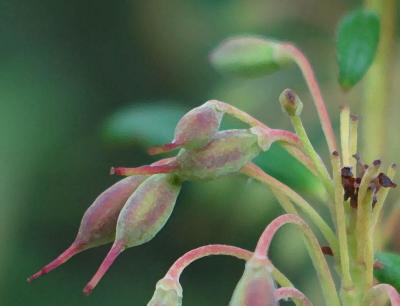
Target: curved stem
{"x": 285, "y": 293}
{"x": 313, "y": 86}
{"x": 318, "y": 259}
{"x": 181, "y": 263}
{"x": 390, "y": 291}
{"x": 255, "y": 172}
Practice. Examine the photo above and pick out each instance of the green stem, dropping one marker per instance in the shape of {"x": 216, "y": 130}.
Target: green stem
{"x": 341, "y": 222}
{"x": 377, "y": 82}
{"x": 257, "y": 173}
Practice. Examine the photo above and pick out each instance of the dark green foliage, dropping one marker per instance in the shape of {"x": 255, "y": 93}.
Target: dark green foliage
{"x": 357, "y": 42}
{"x": 390, "y": 272}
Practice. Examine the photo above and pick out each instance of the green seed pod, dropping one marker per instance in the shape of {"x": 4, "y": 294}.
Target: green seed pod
{"x": 256, "y": 287}
{"x": 168, "y": 293}
{"x": 227, "y": 153}
{"x": 144, "y": 214}
{"x": 194, "y": 130}
{"x": 249, "y": 56}
{"x": 99, "y": 221}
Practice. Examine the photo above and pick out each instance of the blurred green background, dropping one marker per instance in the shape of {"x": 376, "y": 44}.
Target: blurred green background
{"x": 69, "y": 69}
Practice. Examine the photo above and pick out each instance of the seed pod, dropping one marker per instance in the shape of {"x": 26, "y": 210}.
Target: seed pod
{"x": 98, "y": 222}
{"x": 256, "y": 287}
{"x": 227, "y": 153}
{"x": 144, "y": 214}
{"x": 195, "y": 129}
{"x": 249, "y": 56}
{"x": 168, "y": 293}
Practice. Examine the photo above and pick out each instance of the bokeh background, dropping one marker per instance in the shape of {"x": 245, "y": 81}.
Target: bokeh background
{"x": 85, "y": 85}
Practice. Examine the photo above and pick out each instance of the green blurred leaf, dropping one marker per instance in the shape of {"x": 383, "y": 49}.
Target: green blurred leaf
{"x": 148, "y": 124}
{"x": 249, "y": 56}
{"x": 390, "y": 273}
{"x": 357, "y": 42}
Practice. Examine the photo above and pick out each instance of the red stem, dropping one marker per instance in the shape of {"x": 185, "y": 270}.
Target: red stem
{"x": 115, "y": 250}
{"x": 213, "y": 249}
{"x": 67, "y": 254}
{"x": 313, "y": 86}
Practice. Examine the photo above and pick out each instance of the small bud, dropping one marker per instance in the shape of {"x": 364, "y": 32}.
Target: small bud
{"x": 168, "y": 293}
{"x": 227, "y": 153}
{"x": 195, "y": 129}
{"x": 249, "y": 56}
{"x": 144, "y": 214}
{"x": 98, "y": 223}
{"x": 256, "y": 287}
{"x": 290, "y": 102}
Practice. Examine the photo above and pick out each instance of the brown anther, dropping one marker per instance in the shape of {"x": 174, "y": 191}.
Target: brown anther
{"x": 378, "y": 265}
{"x": 385, "y": 181}
{"x": 327, "y": 250}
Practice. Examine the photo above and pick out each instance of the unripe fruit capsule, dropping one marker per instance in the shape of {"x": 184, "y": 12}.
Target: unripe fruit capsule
{"x": 195, "y": 129}
{"x": 256, "y": 287}
{"x": 144, "y": 214}
{"x": 98, "y": 222}
{"x": 168, "y": 293}
{"x": 227, "y": 153}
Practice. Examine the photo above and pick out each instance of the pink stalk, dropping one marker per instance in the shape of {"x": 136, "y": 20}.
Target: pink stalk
{"x": 285, "y": 136}
{"x": 313, "y": 86}
{"x": 115, "y": 250}
{"x": 266, "y": 237}
{"x": 285, "y": 293}
{"x": 67, "y": 254}
{"x": 164, "y": 148}
{"x": 143, "y": 170}
{"x": 391, "y": 292}
{"x": 213, "y": 249}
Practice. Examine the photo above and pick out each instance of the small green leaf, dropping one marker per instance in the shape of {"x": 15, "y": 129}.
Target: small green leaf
{"x": 249, "y": 56}
{"x": 357, "y": 42}
{"x": 390, "y": 273}
{"x": 148, "y": 124}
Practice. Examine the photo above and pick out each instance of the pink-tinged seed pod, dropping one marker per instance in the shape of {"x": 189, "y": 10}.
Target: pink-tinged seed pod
{"x": 227, "y": 153}
{"x": 98, "y": 222}
{"x": 144, "y": 214}
{"x": 168, "y": 293}
{"x": 195, "y": 129}
{"x": 256, "y": 287}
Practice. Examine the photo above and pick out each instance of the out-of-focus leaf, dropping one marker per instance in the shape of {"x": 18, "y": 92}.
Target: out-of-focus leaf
{"x": 280, "y": 164}
{"x": 149, "y": 124}
{"x": 390, "y": 273}
{"x": 249, "y": 56}
{"x": 357, "y": 42}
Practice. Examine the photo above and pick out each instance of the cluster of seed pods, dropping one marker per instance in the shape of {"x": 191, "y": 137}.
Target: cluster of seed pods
{"x": 132, "y": 211}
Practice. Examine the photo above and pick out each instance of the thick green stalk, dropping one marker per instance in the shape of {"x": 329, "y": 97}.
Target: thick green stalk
{"x": 377, "y": 82}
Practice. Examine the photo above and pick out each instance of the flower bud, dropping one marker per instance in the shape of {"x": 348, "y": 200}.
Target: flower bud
{"x": 98, "y": 222}
{"x": 249, "y": 56}
{"x": 256, "y": 287}
{"x": 195, "y": 129}
{"x": 144, "y": 214}
{"x": 227, "y": 153}
{"x": 290, "y": 102}
{"x": 168, "y": 293}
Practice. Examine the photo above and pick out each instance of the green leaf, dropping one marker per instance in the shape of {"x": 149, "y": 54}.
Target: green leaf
{"x": 390, "y": 273}
{"x": 357, "y": 42}
{"x": 249, "y": 56}
{"x": 148, "y": 124}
